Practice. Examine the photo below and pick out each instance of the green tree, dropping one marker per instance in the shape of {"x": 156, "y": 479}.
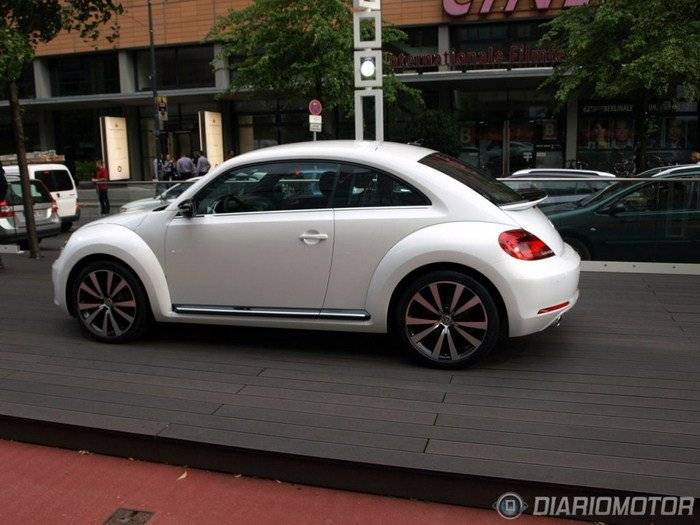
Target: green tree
{"x": 299, "y": 50}
{"x": 25, "y": 24}
{"x": 644, "y": 51}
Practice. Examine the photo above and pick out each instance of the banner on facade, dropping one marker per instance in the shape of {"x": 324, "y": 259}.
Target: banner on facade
{"x": 211, "y": 136}
{"x": 115, "y": 147}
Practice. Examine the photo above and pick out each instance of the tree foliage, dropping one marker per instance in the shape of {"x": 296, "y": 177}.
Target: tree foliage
{"x": 622, "y": 48}
{"x": 297, "y": 49}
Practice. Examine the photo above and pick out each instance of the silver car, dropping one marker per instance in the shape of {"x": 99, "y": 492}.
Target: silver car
{"x": 151, "y": 203}
{"x": 13, "y": 225}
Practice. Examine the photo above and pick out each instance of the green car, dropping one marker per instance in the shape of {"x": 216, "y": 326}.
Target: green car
{"x": 649, "y": 221}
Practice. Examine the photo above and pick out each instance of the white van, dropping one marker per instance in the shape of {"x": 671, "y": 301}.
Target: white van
{"x": 60, "y": 183}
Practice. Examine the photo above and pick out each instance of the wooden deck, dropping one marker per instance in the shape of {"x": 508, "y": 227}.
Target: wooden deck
{"x": 609, "y": 401}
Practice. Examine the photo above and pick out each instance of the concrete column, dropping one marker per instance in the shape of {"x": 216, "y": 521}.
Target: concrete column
{"x": 46, "y": 130}
{"x": 222, "y": 73}
{"x": 127, "y": 75}
{"x": 443, "y": 43}
{"x": 571, "y": 131}
{"x": 42, "y": 78}
{"x": 134, "y": 140}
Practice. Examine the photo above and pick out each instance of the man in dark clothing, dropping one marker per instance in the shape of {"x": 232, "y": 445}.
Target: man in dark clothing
{"x": 101, "y": 183}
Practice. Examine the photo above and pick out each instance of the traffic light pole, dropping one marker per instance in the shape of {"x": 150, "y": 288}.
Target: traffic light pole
{"x": 154, "y": 86}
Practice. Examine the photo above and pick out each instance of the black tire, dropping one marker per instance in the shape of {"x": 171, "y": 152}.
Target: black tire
{"x": 579, "y": 247}
{"x": 126, "y": 323}
{"x": 66, "y": 226}
{"x": 444, "y": 344}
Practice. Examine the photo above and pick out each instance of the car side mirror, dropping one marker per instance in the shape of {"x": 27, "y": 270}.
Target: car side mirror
{"x": 617, "y": 208}
{"x": 186, "y": 208}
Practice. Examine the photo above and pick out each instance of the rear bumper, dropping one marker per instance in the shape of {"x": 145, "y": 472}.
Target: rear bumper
{"x": 20, "y": 234}
{"x": 71, "y": 218}
{"x": 538, "y": 285}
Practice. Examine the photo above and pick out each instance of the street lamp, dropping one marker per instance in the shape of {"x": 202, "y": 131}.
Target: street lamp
{"x": 368, "y": 61}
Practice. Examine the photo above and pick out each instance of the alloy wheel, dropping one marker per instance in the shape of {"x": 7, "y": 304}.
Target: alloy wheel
{"x": 446, "y": 321}
{"x": 106, "y": 303}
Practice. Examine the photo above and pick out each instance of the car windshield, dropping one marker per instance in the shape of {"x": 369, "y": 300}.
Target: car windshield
{"x": 175, "y": 191}
{"x": 479, "y": 181}
{"x": 39, "y": 193}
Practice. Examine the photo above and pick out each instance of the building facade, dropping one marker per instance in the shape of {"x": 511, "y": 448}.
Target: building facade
{"x": 478, "y": 60}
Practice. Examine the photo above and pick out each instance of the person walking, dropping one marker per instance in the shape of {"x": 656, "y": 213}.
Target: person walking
{"x": 101, "y": 184}
{"x": 168, "y": 168}
{"x": 3, "y": 196}
{"x": 185, "y": 167}
{"x": 203, "y": 165}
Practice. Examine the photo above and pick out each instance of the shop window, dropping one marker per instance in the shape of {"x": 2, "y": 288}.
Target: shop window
{"x": 84, "y": 74}
{"x": 177, "y": 67}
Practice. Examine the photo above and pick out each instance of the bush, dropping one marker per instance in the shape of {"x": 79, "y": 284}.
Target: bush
{"x": 85, "y": 169}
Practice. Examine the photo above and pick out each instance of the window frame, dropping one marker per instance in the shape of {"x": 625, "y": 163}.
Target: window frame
{"x": 331, "y": 198}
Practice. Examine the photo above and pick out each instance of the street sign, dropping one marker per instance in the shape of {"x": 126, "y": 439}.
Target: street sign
{"x": 315, "y": 123}
{"x": 315, "y": 107}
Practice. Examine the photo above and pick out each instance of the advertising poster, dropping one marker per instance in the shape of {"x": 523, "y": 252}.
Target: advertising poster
{"x": 211, "y": 136}
{"x": 115, "y": 147}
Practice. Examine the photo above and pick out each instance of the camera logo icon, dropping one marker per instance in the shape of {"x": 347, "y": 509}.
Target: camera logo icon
{"x": 510, "y": 505}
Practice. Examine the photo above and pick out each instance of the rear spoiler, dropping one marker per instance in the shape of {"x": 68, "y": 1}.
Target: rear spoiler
{"x": 524, "y": 205}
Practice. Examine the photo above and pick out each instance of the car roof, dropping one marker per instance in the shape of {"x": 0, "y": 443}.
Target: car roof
{"x": 38, "y": 167}
{"x": 672, "y": 171}
{"x": 339, "y": 148}
{"x": 564, "y": 172}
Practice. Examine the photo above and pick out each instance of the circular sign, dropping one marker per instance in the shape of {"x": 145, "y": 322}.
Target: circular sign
{"x": 315, "y": 107}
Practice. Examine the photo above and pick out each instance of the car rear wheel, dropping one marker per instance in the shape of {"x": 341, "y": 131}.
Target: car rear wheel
{"x": 447, "y": 319}
{"x": 110, "y": 302}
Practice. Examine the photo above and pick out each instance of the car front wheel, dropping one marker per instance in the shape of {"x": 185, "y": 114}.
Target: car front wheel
{"x": 110, "y": 302}
{"x": 447, "y": 319}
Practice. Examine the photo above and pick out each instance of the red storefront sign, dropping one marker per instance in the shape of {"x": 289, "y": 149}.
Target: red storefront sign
{"x": 455, "y": 8}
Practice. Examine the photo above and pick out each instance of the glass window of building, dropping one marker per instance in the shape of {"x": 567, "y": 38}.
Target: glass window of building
{"x": 84, "y": 74}
{"x": 25, "y": 84}
{"x": 177, "y": 67}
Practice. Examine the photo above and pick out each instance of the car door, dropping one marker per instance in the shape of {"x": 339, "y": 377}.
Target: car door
{"x": 679, "y": 222}
{"x": 373, "y": 211}
{"x": 627, "y": 228}
{"x": 62, "y": 188}
{"x": 261, "y": 237}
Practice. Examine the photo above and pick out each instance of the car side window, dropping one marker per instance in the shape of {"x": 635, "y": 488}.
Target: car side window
{"x": 364, "y": 187}
{"x": 644, "y": 199}
{"x": 277, "y": 186}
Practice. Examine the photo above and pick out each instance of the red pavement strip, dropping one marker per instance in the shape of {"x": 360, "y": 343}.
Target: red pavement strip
{"x": 50, "y": 486}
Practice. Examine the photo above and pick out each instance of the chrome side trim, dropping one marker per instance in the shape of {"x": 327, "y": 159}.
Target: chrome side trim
{"x": 243, "y": 311}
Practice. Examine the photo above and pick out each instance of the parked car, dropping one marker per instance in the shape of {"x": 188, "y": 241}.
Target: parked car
{"x": 164, "y": 198}
{"x": 558, "y": 191}
{"x": 661, "y": 170}
{"x": 13, "y": 226}
{"x": 331, "y": 235}
{"x": 653, "y": 221}
{"x": 60, "y": 183}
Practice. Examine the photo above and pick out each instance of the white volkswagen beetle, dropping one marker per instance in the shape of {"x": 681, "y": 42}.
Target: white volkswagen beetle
{"x": 333, "y": 235}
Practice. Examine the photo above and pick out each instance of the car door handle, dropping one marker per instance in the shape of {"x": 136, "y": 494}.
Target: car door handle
{"x": 313, "y": 237}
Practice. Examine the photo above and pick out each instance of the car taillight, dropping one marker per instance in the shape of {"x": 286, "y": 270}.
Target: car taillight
{"x": 54, "y": 207}
{"x": 523, "y": 245}
{"x": 5, "y": 210}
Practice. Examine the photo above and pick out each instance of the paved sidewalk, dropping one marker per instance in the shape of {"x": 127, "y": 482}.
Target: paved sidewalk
{"x": 49, "y": 486}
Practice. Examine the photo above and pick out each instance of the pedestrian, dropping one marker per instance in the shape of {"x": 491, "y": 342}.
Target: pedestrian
{"x": 3, "y": 196}
{"x": 695, "y": 157}
{"x": 169, "y": 168}
{"x": 158, "y": 175}
{"x": 203, "y": 165}
{"x": 185, "y": 167}
{"x": 101, "y": 181}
